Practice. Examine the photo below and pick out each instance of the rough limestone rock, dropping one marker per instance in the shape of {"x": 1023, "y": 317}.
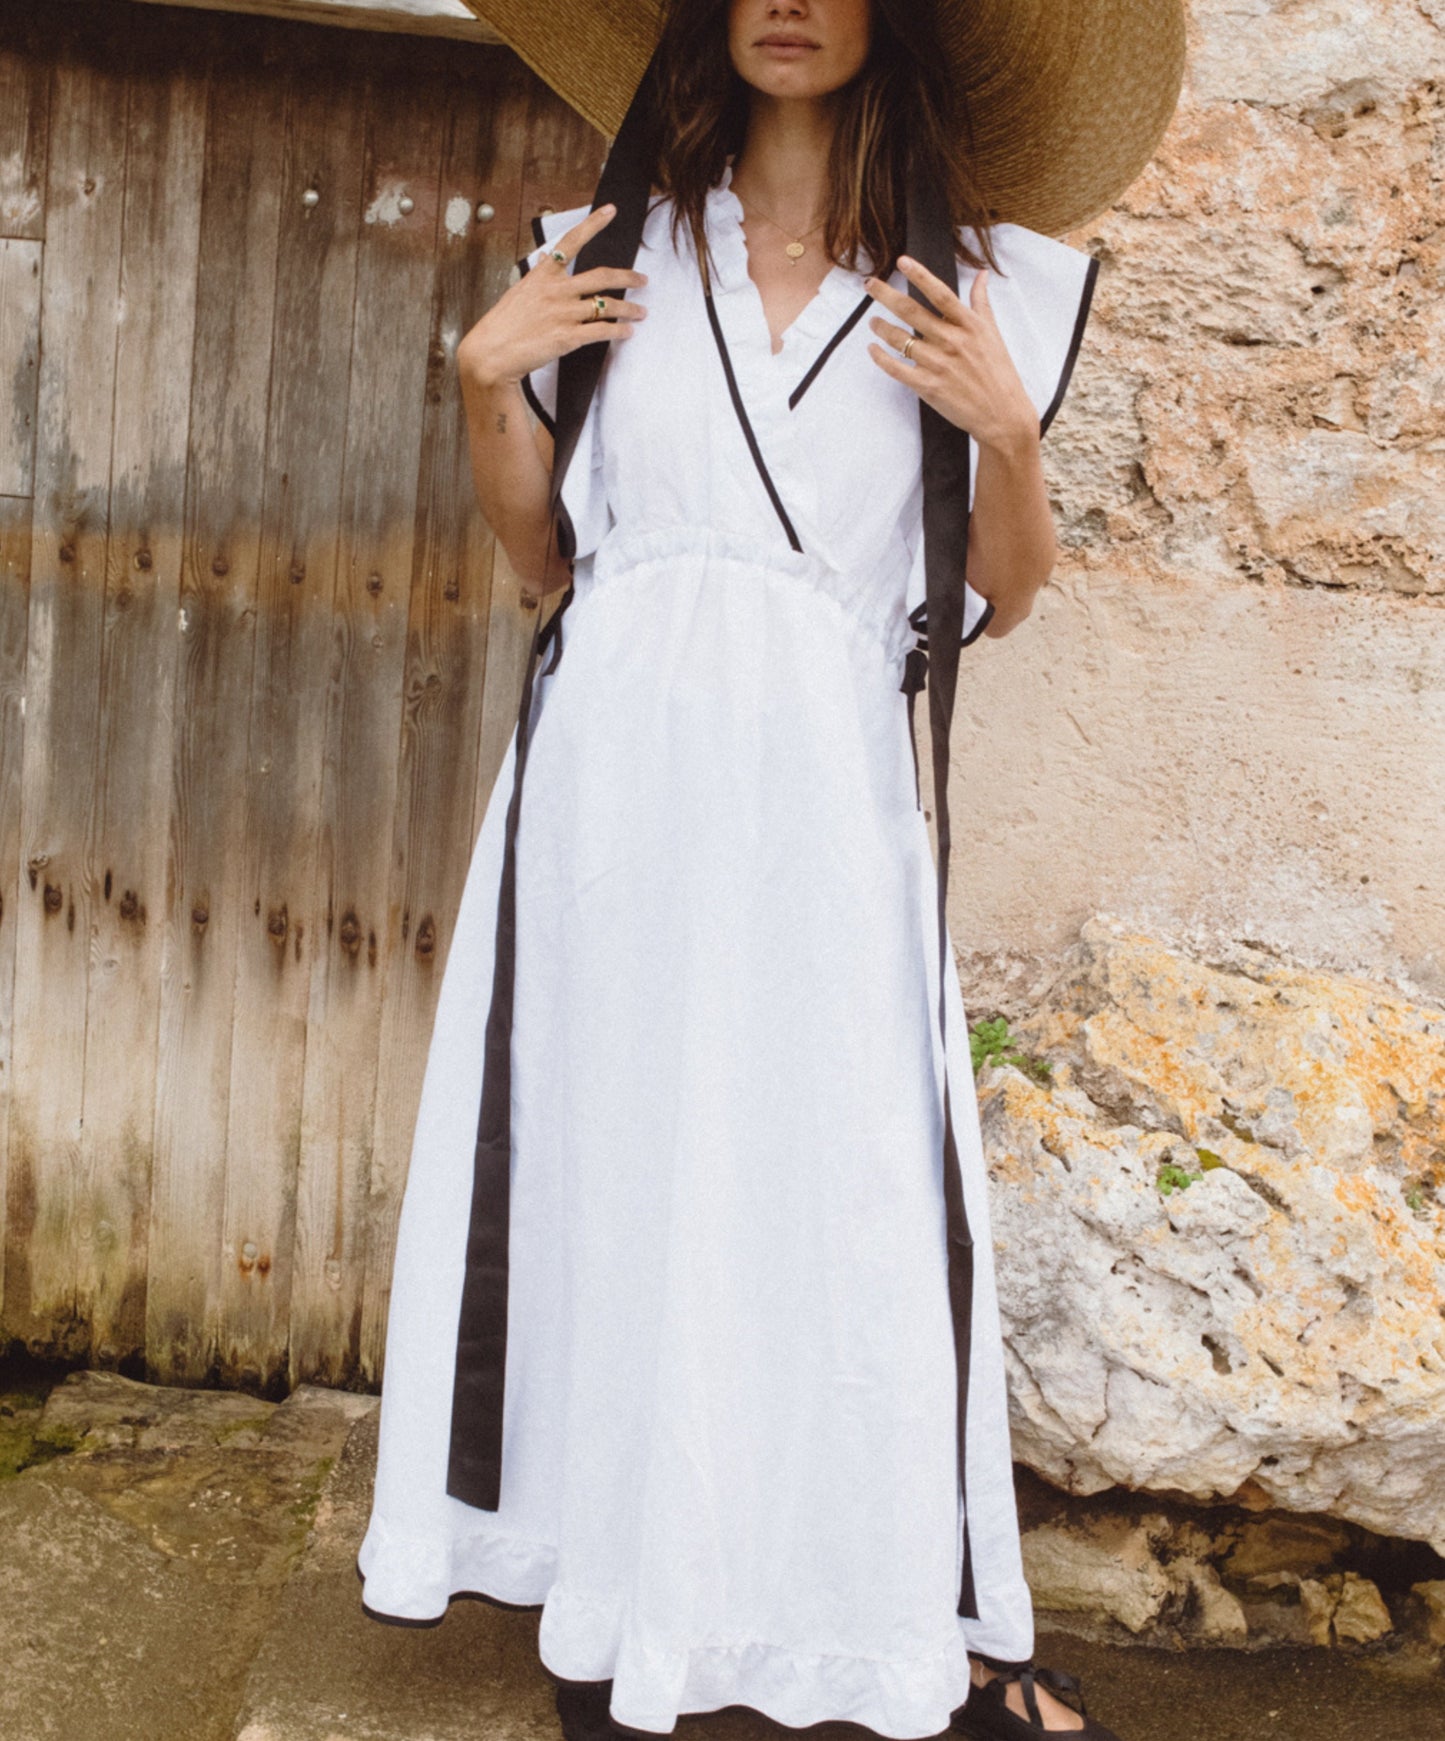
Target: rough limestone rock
{"x": 1270, "y": 1331}
{"x": 1158, "y": 1582}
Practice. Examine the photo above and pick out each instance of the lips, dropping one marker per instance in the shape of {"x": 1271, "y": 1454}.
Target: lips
{"x": 785, "y": 42}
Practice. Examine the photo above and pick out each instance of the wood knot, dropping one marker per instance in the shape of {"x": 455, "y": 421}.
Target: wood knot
{"x": 219, "y": 565}
{"x": 53, "y": 898}
{"x": 200, "y": 916}
{"x": 67, "y": 551}
{"x": 276, "y": 924}
{"x": 143, "y": 561}
{"x": 130, "y": 907}
{"x": 452, "y": 591}
{"x": 350, "y": 932}
{"x": 373, "y": 584}
{"x": 426, "y": 939}
{"x": 298, "y": 573}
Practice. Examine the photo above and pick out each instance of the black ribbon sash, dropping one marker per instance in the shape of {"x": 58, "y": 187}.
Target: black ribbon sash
{"x": 474, "y": 1473}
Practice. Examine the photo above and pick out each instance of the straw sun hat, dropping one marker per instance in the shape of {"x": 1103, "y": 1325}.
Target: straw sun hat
{"x": 1069, "y": 98}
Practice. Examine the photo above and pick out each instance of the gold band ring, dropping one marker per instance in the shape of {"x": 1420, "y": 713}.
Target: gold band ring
{"x": 599, "y": 307}
{"x": 908, "y": 348}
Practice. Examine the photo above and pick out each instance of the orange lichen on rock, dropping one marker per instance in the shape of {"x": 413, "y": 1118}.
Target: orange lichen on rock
{"x": 1222, "y": 1233}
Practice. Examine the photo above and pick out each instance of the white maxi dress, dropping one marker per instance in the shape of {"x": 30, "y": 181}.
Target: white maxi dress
{"x": 729, "y": 1439}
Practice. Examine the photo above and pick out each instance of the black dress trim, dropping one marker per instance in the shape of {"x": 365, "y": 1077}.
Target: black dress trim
{"x": 918, "y": 619}
{"x": 539, "y": 235}
{"x": 1080, "y": 320}
{"x": 747, "y": 428}
{"x": 827, "y": 351}
{"x": 979, "y": 626}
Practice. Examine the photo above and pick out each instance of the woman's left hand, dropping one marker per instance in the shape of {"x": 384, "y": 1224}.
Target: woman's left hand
{"x": 959, "y": 363}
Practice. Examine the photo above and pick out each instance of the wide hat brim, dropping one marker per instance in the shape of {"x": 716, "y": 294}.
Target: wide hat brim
{"x": 1069, "y": 98}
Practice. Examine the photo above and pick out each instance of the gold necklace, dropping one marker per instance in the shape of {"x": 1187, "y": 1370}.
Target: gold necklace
{"x": 796, "y": 247}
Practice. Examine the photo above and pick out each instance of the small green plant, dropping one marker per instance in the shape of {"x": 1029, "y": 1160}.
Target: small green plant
{"x": 1415, "y": 1198}
{"x": 990, "y": 1042}
{"x": 1172, "y": 1177}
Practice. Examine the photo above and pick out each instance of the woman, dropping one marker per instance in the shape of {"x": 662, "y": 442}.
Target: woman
{"x": 690, "y": 1330}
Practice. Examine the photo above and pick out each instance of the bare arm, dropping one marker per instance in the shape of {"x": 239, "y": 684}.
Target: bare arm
{"x": 512, "y": 475}
{"x": 1011, "y": 542}
{"x": 538, "y": 319}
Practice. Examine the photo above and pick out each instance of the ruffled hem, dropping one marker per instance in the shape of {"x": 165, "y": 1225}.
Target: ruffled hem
{"x": 907, "y": 1698}
{"x": 417, "y": 1578}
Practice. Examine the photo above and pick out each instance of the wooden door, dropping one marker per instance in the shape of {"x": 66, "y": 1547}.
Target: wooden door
{"x": 259, "y": 658}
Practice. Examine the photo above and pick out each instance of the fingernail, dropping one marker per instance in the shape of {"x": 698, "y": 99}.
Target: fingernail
{"x": 905, "y": 260}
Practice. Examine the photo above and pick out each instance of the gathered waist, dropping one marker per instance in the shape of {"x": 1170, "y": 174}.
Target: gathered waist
{"x": 871, "y": 602}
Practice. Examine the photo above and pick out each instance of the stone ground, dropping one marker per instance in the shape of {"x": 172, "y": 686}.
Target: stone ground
{"x": 179, "y": 1566}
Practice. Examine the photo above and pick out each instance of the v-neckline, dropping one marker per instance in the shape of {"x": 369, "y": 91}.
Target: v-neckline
{"x": 833, "y": 309}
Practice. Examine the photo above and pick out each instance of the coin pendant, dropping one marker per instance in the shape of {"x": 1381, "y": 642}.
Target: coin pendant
{"x": 796, "y": 251}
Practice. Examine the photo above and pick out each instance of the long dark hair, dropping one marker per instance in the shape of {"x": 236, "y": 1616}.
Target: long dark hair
{"x": 901, "y": 114}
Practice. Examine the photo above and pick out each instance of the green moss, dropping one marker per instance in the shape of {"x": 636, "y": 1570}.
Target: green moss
{"x": 24, "y": 1445}
{"x": 248, "y": 1424}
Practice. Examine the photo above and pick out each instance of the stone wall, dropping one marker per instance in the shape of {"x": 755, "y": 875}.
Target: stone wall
{"x": 1225, "y": 719}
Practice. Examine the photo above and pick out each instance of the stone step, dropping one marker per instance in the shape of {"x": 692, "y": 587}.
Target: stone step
{"x": 143, "y": 1550}
{"x": 326, "y": 1671}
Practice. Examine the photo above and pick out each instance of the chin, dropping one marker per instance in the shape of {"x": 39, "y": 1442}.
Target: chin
{"x": 790, "y": 81}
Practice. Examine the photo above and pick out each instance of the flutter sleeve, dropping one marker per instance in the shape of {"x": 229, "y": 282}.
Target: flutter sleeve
{"x": 584, "y": 493}
{"x": 1040, "y": 297}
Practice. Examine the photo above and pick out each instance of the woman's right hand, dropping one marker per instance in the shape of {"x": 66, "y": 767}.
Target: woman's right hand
{"x": 550, "y": 311}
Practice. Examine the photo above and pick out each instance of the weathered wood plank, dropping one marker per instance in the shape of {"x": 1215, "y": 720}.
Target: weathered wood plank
{"x": 25, "y": 61}
{"x": 444, "y": 18}
{"x": 564, "y": 158}
{"x": 165, "y": 132}
{"x": 285, "y": 919}
{"x": 204, "y": 898}
{"x": 396, "y": 270}
{"x": 84, "y": 208}
{"x": 447, "y": 643}
{"x": 14, "y": 612}
{"x": 19, "y": 362}
{"x": 24, "y": 131}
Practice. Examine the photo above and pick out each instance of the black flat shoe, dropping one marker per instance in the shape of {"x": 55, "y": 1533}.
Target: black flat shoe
{"x": 984, "y": 1716}
{"x": 584, "y": 1713}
